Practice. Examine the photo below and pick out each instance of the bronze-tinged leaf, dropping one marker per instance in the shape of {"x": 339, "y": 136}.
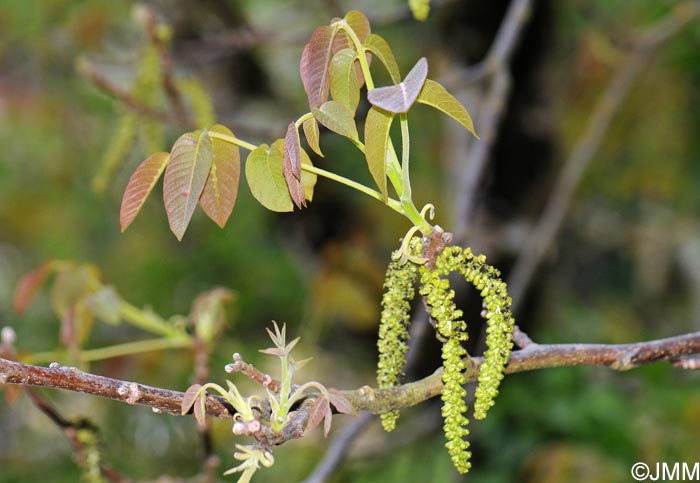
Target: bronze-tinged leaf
{"x": 295, "y": 186}
{"x": 327, "y": 420}
{"x": 399, "y": 98}
{"x": 292, "y": 151}
{"x": 189, "y": 398}
{"x": 263, "y": 171}
{"x": 185, "y": 177}
{"x": 340, "y": 402}
{"x": 345, "y": 87}
{"x": 308, "y": 180}
{"x": 358, "y": 22}
{"x": 377, "y": 127}
{"x": 318, "y": 412}
{"x": 200, "y": 410}
{"x": 30, "y": 284}
{"x": 315, "y": 59}
{"x": 312, "y": 135}
{"x": 379, "y": 47}
{"x": 221, "y": 189}
{"x": 140, "y": 186}
{"x": 435, "y": 95}
{"x": 338, "y": 119}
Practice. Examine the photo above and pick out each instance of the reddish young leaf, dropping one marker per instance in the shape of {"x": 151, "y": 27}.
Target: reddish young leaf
{"x": 340, "y": 402}
{"x": 314, "y": 64}
{"x": 295, "y": 185}
{"x": 140, "y": 186}
{"x": 292, "y": 151}
{"x": 377, "y": 127}
{"x": 189, "y": 398}
{"x": 327, "y": 420}
{"x": 399, "y": 98}
{"x": 318, "y": 412}
{"x": 200, "y": 410}
{"x": 30, "y": 284}
{"x": 185, "y": 177}
{"x": 221, "y": 189}
{"x": 312, "y": 135}
{"x": 358, "y": 22}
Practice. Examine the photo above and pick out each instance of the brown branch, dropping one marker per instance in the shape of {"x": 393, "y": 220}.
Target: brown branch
{"x": 535, "y": 247}
{"x": 534, "y": 356}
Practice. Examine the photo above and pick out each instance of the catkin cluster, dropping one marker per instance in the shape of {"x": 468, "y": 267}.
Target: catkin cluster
{"x": 452, "y": 330}
{"x": 399, "y": 284}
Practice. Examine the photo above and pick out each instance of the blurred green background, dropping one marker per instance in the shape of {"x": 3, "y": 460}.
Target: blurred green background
{"x": 625, "y": 267}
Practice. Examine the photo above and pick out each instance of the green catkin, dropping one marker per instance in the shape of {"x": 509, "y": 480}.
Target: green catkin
{"x": 199, "y": 101}
{"x": 119, "y": 146}
{"x": 90, "y": 463}
{"x": 148, "y": 90}
{"x": 453, "y": 330}
{"x": 392, "y": 343}
{"x": 420, "y": 9}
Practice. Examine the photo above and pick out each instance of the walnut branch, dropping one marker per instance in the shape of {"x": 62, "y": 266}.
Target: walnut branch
{"x": 533, "y": 356}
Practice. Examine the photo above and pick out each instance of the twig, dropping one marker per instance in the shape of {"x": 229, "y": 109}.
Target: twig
{"x": 338, "y": 449}
{"x": 619, "y": 357}
{"x": 535, "y": 247}
{"x": 265, "y": 380}
{"x": 70, "y": 431}
{"x": 495, "y": 64}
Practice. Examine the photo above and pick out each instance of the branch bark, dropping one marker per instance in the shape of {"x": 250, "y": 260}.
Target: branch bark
{"x": 533, "y": 356}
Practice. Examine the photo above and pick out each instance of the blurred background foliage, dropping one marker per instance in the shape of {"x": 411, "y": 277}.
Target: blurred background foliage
{"x": 626, "y": 265}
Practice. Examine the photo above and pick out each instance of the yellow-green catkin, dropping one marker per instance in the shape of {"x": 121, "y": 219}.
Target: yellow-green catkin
{"x": 450, "y": 326}
{"x": 148, "y": 90}
{"x": 90, "y": 461}
{"x": 120, "y": 143}
{"x": 420, "y": 9}
{"x": 199, "y": 102}
{"x": 499, "y": 330}
{"x": 399, "y": 285}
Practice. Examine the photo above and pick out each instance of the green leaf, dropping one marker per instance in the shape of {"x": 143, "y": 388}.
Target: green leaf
{"x": 399, "y": 98}
{"x": 312, "y": 135}
{"x": 345, "y": 88}
{"x": 263, "y": 171}
{"x": 435, "y": 95}
{"x": 377, "y": 127}
{"x": 221, "y": 189}
{"x": 140, "y": 186}
{"x": 185, "y": 177}
{"x": 308, "y": 179}
{"x": 338, "y": 119}
{"x": 379, "y": 47}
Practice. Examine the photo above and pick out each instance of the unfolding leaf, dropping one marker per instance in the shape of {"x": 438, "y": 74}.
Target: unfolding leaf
{"x": 106, "y": 304}
{"x": 208, "y": 313}
{"x": 379, "y": 47}
{"x": 318, "y": 412}
{"x": 399, "y": 98}
{"x": 308, "y": 180}
{"x": 345, "y": 87}
{"x": 221, "y": 189}
{"x": 30, "y": 284}
{"x": 327, "y": 422}
{"x": 263, "y": 171}
{"x": 292, "y": 151}
{"x": 185, "y": 177}
{"x": 140, "y": 186}
{"x": 312, "y": 135}
{"x": 377, "y": 127}
{"x": 295, "y": 186}
{"x": 315, "y": 59}
{"x": 435, "y": 95}
{"x": 338, "y": 119}
{"x": 200, "y": 410}
{"x": 189, "y": 398}
{"x": 340, "y": 402}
